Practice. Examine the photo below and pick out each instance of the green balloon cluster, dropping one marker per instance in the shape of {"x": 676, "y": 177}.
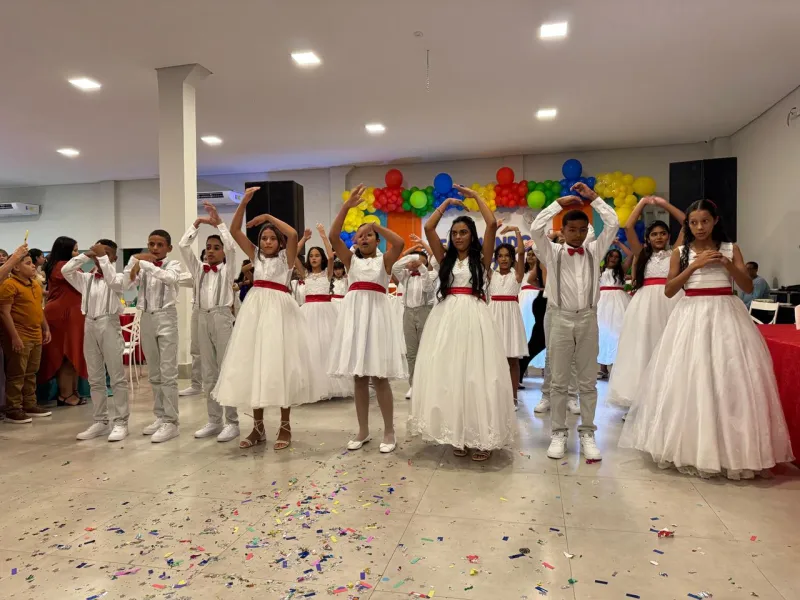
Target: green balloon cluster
{"x": 543, "y": 193}
{"x": 418, "y": 201}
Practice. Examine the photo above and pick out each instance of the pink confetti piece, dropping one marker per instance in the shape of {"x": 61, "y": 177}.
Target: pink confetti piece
{"x": 753, "y": 538}
{"x": 548, "y": 565}
{"x": 249, "y": 556}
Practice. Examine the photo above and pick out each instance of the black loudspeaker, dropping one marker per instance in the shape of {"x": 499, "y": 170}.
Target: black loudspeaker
{"x": 281, "y": 199}
{"x": 713, "y": 179}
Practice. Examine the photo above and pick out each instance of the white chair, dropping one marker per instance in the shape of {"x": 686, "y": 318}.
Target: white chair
{"x": 764, "y": 306}
{"x": 131, "y": 346}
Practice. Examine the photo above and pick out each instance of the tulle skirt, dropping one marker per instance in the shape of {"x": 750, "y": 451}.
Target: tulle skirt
{"x": 462, "y": 388}
{"x": 368, "y": 338}
{"x": 510, "y": 327}
{"x": 270, "y": 357}
{"x": 610, "y": 314}
{"x": 645, "y": 320}
{"x": 709, "y": 403}
{"x": 321, "y": 318}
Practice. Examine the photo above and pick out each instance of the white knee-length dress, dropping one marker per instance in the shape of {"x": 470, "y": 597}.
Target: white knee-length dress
{"x": 504, "y": 306}
{"x": 610, "y": 313}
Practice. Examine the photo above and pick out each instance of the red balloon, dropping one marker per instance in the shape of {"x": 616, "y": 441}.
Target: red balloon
{"x": 394, "y": 178}
{"x": 505, "y": 175}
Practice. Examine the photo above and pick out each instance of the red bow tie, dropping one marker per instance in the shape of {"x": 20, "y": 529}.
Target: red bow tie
{"x": 300, "y": 282}
{"x": 415, "y": 273}
{"x": 207, "y": 268}
{"x": 158, "y": 263}
{"x": 98, "y": 275}
{"x": 572, "y": 251}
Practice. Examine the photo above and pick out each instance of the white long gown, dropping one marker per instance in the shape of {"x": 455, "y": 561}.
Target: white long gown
{"x": 610, "y": 314}
{"x": 645, "y": 320}
{"x": 270, "y": 351}
{"x": 321, "y": 315}
{"x": 462, "y": 391}
{"x": 507, "y": 314}
{"x": 709, "y": 402}
{"x": 367, "y": 341}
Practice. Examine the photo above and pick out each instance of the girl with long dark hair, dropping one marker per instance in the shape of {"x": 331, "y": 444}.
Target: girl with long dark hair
{"x": 63, "y": 357}
{"x": 649, "y": 310}
{"x": 611, "y": 306}
{"x": 462, "y": 392}
{"x": 527, "y": 295}
{"x": 710, "y": 405}
{"x": 367, "y": 343}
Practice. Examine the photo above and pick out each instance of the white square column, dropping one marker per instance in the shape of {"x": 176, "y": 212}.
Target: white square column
{"x": 177, "y": 169}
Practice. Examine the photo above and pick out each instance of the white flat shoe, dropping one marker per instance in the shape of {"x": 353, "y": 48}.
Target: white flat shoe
{"x": 386, "y": 448}
{"x": 356, "y": 444}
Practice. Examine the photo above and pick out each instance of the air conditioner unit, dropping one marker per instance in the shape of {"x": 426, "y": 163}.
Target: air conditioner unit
{"x": 219, "y": 199}
{"x": 18, "y": 209}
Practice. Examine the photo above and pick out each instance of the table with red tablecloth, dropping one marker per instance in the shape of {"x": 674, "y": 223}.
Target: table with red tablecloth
{"x": 126, "y": 319}
{"x": 784, "y": 346}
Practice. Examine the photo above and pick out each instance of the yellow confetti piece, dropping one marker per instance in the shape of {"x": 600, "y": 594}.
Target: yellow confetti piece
{"x": 278, "y": 522}
{"x": 371, "y": 527}
{"x": 334, "y": 511}
{"x": 288, "y": 512}
{"x": 503, "y": 499}
{"x": 336, "y": 502}
{"x": 473, "y": 572}
{"x": 431, "y": 593}
{"x": 333, "y": 539}
{"x": 366, "y": 504}
{"x": 345, "y": 473}
{"x": 181, "y": 582}
{"x": 385, "y": 484}
{"x": 168, "y": 554}
{"x": 235, "y": 530}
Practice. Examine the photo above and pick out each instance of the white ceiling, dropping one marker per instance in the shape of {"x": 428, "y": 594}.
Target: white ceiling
{"x": 631, "y": 73}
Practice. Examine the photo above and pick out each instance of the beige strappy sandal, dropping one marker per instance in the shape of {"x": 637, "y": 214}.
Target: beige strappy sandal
{"x": 481, "y": 455}
{"x": 258, "y": 427}
{"x": 460, "y": 452}
{"x": 283, "y": 444}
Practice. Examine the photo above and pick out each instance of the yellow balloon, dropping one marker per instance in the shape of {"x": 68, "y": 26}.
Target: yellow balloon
{"x": 623, "y": 190}
{"x": 619, "y": 202}
{"x": 475, "y": 186}
{"x": 600, "y": 189}
{"x": 627, "y": 179}
{"x": 362, "y": 206}
{"x": 617, "y": 174}
{"x": 631, "y": 201}
{"x": 345, "y": 195}
{"x": 371, "y": 209}
{"x": 644, "y": 186}
{"x": 623, "y": 214}
{"x": 372, "y": 219}
{"x": 492, "y": 195}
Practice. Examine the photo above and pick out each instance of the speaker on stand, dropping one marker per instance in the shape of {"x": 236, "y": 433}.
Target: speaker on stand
{"x": 281, "y": 199}
{"x": 713, "y": 179}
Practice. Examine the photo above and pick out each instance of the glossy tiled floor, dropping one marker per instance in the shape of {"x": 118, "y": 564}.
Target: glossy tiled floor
{"x": 198, "y": 519}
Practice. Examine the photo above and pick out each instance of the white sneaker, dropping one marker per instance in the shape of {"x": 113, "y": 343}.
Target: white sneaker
{"x": 543, "y": 406}
{"x": 95, "y": 430}
{"x": 558, "y": 445}
{"x": 229, "y": 432}
{"x": 589, "y": 446}
{"x": 356, "y": 444}
{"x": 153, "y": 427}
{"x": 408, "y": 394}
{"x": 119, "y": 433}
{"x": 167, "y": 431}
{"x": 191, "y": 391}
{"x": 208, "y": 430}
{"x": 573, "y": 407}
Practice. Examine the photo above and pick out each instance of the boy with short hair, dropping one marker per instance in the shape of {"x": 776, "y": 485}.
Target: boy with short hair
{"x": 213, "y": 303}
{"x": 24, "y": 332}
{"x": 103, "y": 343}
{"x": 572, "y": 288}
{"x": 157, "y": 278}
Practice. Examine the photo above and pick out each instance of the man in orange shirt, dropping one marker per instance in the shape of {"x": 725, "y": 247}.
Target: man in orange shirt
{"x": 24, "y": 332}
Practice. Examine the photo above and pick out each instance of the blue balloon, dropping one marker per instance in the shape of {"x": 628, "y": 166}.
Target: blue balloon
{"x": 443, "y": 183}
{"x": 622, "y": 236}
{"x": 572, "y": 168}
{"x": 591, "y": 181}
{"x": 563, "y": 183}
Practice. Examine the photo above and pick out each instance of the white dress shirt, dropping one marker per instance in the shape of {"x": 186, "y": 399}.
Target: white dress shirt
{"x": 212, "y": 289}
{"x": 158, "y": 286}
{"x": 418, "y": 288}
{"x": 101, "y": 290}
{"x": 578, "y": 282}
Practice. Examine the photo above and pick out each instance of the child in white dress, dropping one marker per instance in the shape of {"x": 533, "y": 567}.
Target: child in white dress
{"x": 611, "y": 308}
{"x": 321, "y": 314}
{"x": 367, "y": 342}
{"x": 267, "y": 360}
{"x": 504, "y": 286}
{"x": 462, "y": 392}
{"x": 528, "y": 293}
{"x": 711, "y": 403}
{"x": 648, "y": 312}
{"x": 338, "y": 283}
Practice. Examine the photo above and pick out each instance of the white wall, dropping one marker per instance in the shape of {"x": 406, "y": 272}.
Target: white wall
{"x": 768, "y": 204}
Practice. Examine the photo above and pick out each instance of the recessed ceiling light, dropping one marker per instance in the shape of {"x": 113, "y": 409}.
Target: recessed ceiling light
{"x": 85, "y": 84}
{"x": 306, "y": 59}
{"x": 375, "y": 128}
{"x": 546, "y": 114}
{"x": 211, "y": 140}
{"x": 69, "y": 152}
{"x": 549, "y": 31}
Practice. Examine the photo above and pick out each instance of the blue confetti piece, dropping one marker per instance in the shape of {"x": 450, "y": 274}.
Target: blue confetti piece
{"x": 653, "y": 530}
{"x": 601, "y": 582}
{"x": 554, "y": 529}
{"x": 654, "y": 518}
{"x": 516, "y": 556}
{"x": 505, "y": 538}
{"x": 632, "y": 596}
{"x": 658, "y": 551}
{"x": 14, "y": 571}
{"x": 441, "y": 539}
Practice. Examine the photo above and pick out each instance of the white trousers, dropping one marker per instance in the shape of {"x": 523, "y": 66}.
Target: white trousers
{"x": 194, "y": 351}
{"x": 573, "y": 339}
{"x": 213, "y": 332}
{"x": 160, "y": 345}
{"x": 102, "y": 347}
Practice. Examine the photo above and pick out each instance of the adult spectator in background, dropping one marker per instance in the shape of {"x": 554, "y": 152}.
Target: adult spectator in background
{"x": 63, "y": 357}
{"x": 760, "y": 286}
{"x": 3, "y": 257}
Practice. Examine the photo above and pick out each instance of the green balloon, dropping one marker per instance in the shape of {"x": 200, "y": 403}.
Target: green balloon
{"x": 540, "y": 187}
{"x": 531, "y": 186}
{"x": 429, "y": 189}
{"x": 536, "y": 199}
{"x": 418, "y": 199}
{"x": 414, "y": 189}
{"x": 406, "y": 205}
{"x": 548, "y": 183}
{"x": 556, "y": 187}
